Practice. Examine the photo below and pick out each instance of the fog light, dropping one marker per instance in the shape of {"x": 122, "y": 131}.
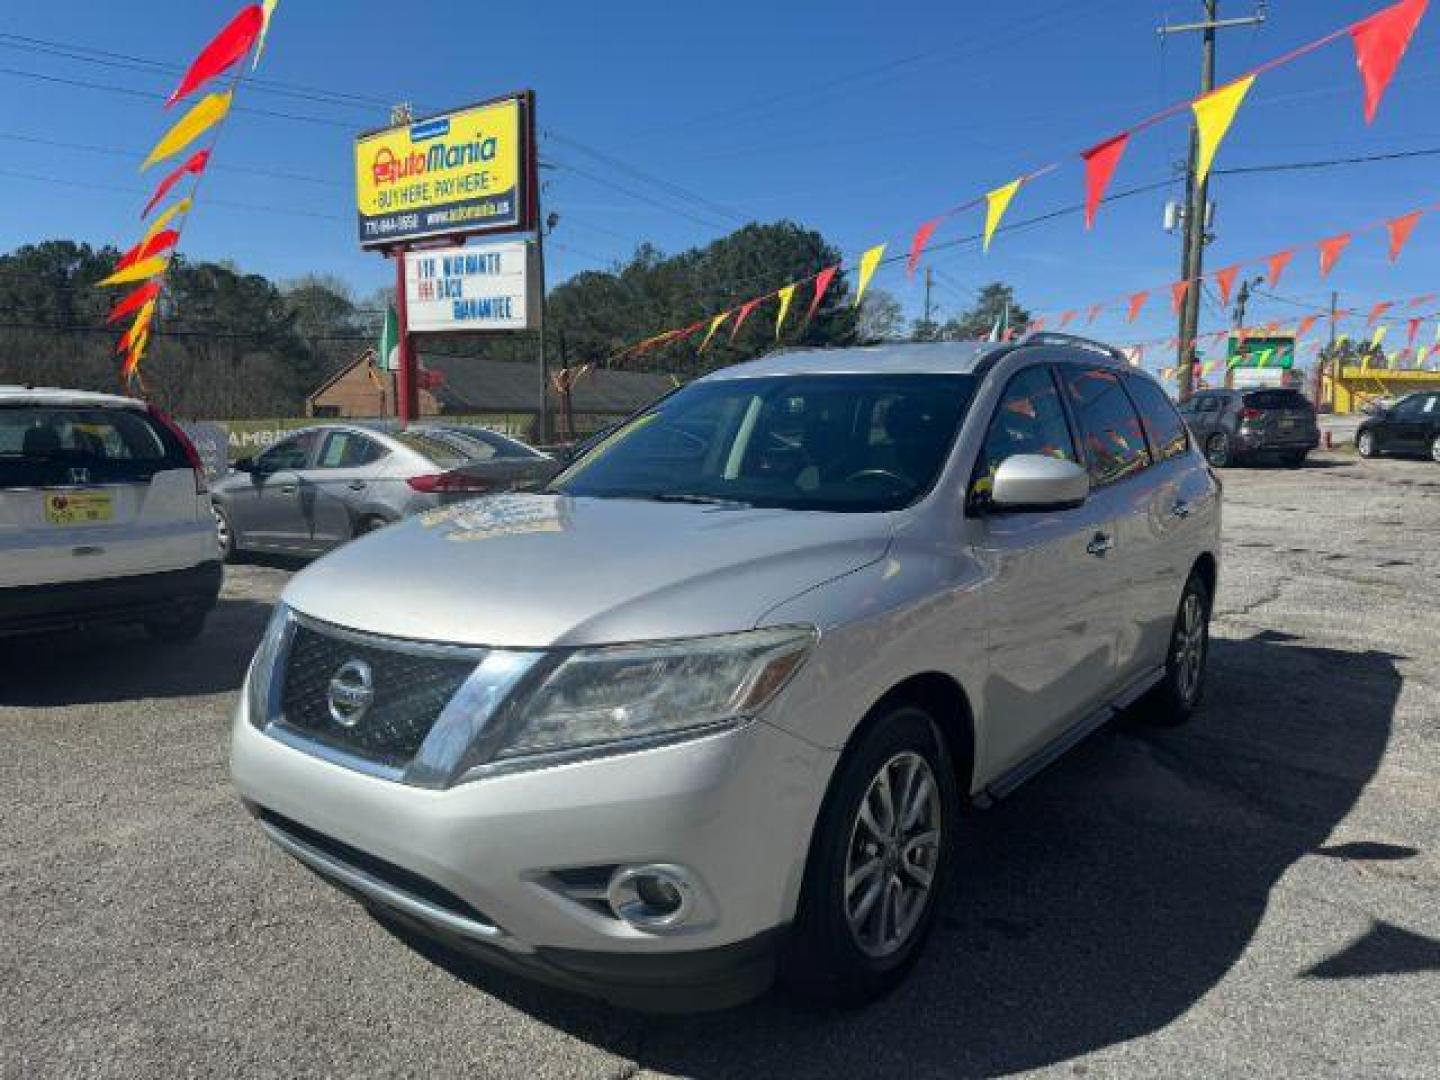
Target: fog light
{"x": 651, "y": 897}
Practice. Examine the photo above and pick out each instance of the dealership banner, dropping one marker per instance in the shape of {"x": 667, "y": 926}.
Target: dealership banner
{"x": 459, "y": 173}
{"x": 480, "y": 287}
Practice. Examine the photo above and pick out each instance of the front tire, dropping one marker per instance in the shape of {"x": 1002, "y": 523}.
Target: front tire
{"x": 224, "y": 533}
{"x": 1295, "y": 459}
{"x": 1365, "y": 444}
{"x": 1217, "y": 450}
{"x": 1175, "y": 699}
{"x": 878, "y": 863}
{"x": 1435, "y": 449}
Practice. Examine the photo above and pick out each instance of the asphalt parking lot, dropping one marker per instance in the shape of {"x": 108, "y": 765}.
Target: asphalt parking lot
{"x": 1258, "y": 892}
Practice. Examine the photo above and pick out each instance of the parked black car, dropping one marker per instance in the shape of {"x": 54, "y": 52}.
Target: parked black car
{"x": 1410, "y": 426}
{"x": 1232, "y": 426}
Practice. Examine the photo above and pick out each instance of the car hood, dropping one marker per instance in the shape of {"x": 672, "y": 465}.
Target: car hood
{"x": 522, "y": 570}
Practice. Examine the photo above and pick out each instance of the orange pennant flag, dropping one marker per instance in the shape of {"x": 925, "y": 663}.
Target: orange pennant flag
{"x": 1177, "y": 294}
{"x": 1093, "y": 313}
{"x": 1066, "y": 318}
{"x": 1378, "y": 310}
{"x": 1136, "y": 303}
{"x": 1306, "y": 325}
{"x": 1214, "y": 113}
{"x": 1400, "y": 229}
{"x": 1330, "y": 251}
{"x": 205, "y": 114}
{"x": 917, "y": 245}
{"x": 996, "y": 203}
{"x": 1278, "y": 262}
{"x": 1380, "y": 43}
{"x": 1225, "y": 282}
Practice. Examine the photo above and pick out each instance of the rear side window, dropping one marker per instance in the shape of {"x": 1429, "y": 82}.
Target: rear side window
{"x": 1110, "y": 427}
{"x": 1030, "y": 419}
{"x": 49, "y": 445}
{"x": 1168, "y": 438}
{"x": 438, "y": 447}
{"x": 1275, "y": 399}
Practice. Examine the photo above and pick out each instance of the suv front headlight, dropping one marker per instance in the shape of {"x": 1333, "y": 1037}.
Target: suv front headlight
{"x": 611, "y": 697}
{"x": 261, "y": 682}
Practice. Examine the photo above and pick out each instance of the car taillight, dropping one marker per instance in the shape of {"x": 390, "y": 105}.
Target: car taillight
{"x": 1251, "y": 414}
{"x": 202, "y": 484}
{"x": 443, "y": 483}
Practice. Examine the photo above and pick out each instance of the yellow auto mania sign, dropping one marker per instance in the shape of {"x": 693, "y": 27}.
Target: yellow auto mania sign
{"x": 463, "y": 172}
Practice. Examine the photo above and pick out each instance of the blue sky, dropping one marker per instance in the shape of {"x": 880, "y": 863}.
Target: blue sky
{"x": 858, "y": 118}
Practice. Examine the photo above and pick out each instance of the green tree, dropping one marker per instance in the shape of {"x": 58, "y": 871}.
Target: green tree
{"x": 995, "y": 303}
{"x": 881, "y": 318}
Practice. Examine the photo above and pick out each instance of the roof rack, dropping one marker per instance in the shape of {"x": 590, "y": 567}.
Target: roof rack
{"x": 1074, "y": 341}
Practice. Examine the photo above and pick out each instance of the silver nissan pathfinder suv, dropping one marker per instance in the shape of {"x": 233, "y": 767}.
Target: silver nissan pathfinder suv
{"x": 707, "y": 709}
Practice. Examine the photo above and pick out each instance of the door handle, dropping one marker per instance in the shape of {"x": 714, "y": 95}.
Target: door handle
{"x": 1100, "y": 545}
{"x": 357, "y": 485}
{"x": 1181, "y": 509}
{"x": 287, "y": 489}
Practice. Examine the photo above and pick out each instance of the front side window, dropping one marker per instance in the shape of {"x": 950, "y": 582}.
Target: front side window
{"x": 1030, "y": 419}
{"x": 1110, "y": 427}
{"x": 1168, "y": 438}
{"x": 347, "y": 450}
{"x": 844, "y": 443}
{"x": 288, "y": 454}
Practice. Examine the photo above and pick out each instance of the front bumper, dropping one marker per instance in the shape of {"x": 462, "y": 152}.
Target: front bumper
{"x": 173, "y": 594}
{"x": 473, "y": 866}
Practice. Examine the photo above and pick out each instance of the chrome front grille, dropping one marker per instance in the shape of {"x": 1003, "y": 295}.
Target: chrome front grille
{"x": 383, "y": 715}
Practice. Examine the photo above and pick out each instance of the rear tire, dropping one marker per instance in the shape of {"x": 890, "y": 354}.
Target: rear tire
{"x": 225, "y": 534}
{"x": 852, "y": 945}
{"x": 1175, "y": 699}
{"x": 179, "y": 631}
{"x": 1217, "y": 450}
{"x": 1435, "y": 449}
{"x": 372, "y": 523}
{"x": 1294, "y": 459}
{"x": 1365, "y": 445}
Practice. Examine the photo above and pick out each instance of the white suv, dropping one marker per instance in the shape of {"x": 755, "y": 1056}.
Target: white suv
{"x": 104, "y": 517}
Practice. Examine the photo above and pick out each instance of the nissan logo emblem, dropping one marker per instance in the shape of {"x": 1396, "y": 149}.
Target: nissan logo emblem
{"x": 352, "y": 692}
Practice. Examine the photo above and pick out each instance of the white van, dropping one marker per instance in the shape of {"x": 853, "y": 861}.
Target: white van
{"x": 104, "y": 517}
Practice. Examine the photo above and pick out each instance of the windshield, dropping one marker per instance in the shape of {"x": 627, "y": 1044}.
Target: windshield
{"x": 854, "y": 443}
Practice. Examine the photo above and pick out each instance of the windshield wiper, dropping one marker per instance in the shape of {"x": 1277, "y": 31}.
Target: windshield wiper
{"x": 698, "y": 500}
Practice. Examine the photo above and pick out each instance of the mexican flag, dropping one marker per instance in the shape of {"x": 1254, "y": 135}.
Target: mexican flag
{"x": 389, "y": 352}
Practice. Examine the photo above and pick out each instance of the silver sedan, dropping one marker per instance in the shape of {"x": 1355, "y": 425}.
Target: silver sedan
{"x": 324, "y": 485}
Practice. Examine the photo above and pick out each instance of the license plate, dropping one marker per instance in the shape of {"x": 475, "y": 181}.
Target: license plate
{"x": 78, "y": 507}
{"x": 1287, "y": 425}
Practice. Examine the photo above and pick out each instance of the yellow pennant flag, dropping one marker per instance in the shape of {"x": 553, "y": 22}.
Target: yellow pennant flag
{"x": 869, "y": 262}
{"x": 269, "y": 10}
{"x": 1380, "y": 332}
{"x": 206, "y": 113}
{"x": 996, "y": 203}
{"x": 181, "y": 207}
{"x": 138, "y": 329}
{"x": 140, "y": 271}
{"x": 1214, "y": 114}
{"x": 786, "y": 295}
{"x": 715, "y": 324}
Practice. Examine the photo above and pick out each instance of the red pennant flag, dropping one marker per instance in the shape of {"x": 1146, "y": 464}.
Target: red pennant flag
{"x": 917, "y": 246}
{"x": 146, "y": 248}
{"x": 1306, "y": 325}
{"x": 1225, "y": 280}
{"x": 1330, "y": 252}
{"x": 1378, "y": 310}
{"x": 196, "y": 164}
{"x": 1413, "y": 333}
{"x": 1421, "y": 301}
{"x": 1380, "y": 43}
{"x": 1100, "y": 162}
{"x": 1136, "y": 303}
{"x": 1093, "y": 313}
{"x": 1278, "y": 262}
{"x": 228, "y": 46}
{"x": 745, "y": 310}
{"x": 134, "y": 301}
{"x": 822, "y": 283}
{"x": 1400, "y": 229}
{"x": 1177, "y": 294}
{"x": 1036, "y": 325}
{"x": 1066, "y": 318}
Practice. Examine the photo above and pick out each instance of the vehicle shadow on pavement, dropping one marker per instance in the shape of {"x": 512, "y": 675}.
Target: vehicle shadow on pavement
{"x": 116, "y": 664}
{"x": 1096, "y": 905}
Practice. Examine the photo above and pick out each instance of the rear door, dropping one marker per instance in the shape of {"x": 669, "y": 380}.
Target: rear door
{"x": 95, "y": 491}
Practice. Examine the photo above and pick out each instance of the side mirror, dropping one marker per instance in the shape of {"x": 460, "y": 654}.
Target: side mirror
{"x": 244, "y": 464}
{"x": 1035, "y": 483}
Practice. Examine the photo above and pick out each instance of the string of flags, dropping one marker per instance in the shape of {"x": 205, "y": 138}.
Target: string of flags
{"x": 1379, "y": 42}
{"x": 145, "y": 265}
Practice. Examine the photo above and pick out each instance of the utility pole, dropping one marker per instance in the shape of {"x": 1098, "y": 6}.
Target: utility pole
{"x": 929, "y": 310}
{"x": 1192, "y": 263}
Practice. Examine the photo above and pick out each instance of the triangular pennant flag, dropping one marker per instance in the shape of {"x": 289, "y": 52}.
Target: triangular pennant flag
{"x": 138, "y": 327}
{"x": 1177, "y": 294}
{"x": 745, "y": 310}
{"x": 1380, "y": 43}
{"x": 1378, "y": 310}
{"x": 269, "y": 10}
{"x": 140, "y": 271}
{"x": 1093, "y": 313}
{"x": 1379, "y": 335}
{"x": 153, "y": 245}
{"x": 1225, "y": 282}
{"x": 786, "y": 295}
{"x": 822, "y": 284}
{"x": 715, "y": 324}
{"x": 1136, "y": 303}
{"x": 1066, "y": 318}
{"x": 1422, "y": 300}
{"x": 171, "y": 213}
{"x": 1278, "y": 262}
{"x": 1330, "y": 252}
{"x": 1306, "y": 325}
{"x": 195, "y": 164}
{"x": 133, "y": 301}
{"x": 917, "y": 245}
{"x": 1214, "y": 113}
{"x": 1036, "y": 325}
{"x": 1100, "y": 162}
{"x": 868, "y": 264}
{"x": 1400, "y": 229}
{"x": 1412, "y": 333}
{"x": 224, "y": 50}
{"x": 203, "y": 115}
{"x": 996, "y": 203}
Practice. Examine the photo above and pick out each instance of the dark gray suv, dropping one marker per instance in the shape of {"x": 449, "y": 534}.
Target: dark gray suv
{"x": 1234, "y": 426}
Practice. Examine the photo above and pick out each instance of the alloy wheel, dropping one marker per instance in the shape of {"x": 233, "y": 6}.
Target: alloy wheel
{"x": 1189, "y": 658}
{"x": 222, "y": 530}
{"x": 1435, "y": 448}
{"x": 893, "y": 855}
{"x": 1365, "y": 444}
{"x": 1217, "y": 451}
